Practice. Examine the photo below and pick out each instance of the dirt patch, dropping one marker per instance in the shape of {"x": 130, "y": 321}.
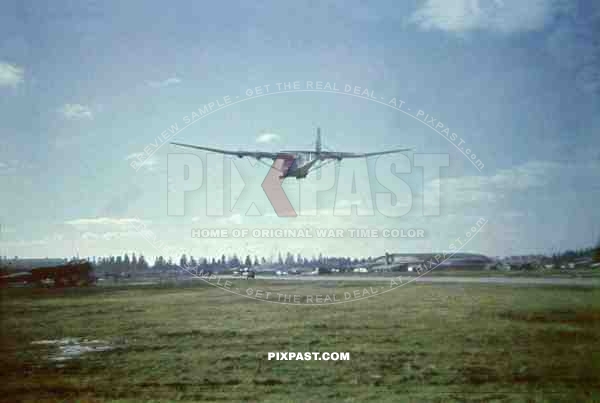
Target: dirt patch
{"x": 479, "y": 374}
{"x": 267, "y": 382}
{"x": 568, "y": 336}
{"x": 583, "y": 317}
{"x": 200, "y": 333}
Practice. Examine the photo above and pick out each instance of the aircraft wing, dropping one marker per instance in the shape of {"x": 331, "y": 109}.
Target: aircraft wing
{"x": 343, "y": 155}
{"x": 240, "y": 154}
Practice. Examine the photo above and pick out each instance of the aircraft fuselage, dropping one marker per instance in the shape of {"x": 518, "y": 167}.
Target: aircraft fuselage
{"x": 298, "y": 169}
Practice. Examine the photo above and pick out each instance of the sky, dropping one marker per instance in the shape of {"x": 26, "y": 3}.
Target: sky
{"x": 87, "y": 88}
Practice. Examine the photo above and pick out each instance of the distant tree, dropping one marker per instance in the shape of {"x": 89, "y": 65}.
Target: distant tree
{"x": 255, "y": 261}
{"x": 160, "y": 263}
{"x": 142, "y": 264}
{"x": 248, "y": 261}
{"x": 596, "y": 253}
{"x": 289, "y": 259}
{"x": 134, "y": 262}
{"x": 280, "y": 259}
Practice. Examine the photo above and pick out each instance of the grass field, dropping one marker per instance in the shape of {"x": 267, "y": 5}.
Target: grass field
{"x": 566, "y": 273}
{"x": 197, "y": 343}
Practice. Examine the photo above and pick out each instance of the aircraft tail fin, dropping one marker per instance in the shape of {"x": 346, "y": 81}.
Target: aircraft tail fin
{"x": 318, "y": 143}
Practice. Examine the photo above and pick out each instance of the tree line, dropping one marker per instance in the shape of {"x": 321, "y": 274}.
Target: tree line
{"x": 136, "y": 263}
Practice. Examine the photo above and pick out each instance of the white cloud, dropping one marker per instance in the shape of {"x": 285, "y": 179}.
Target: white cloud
{"x": 109, "y": 236}
{"x": 136, "y": 156}
{"x": 12, "y": 166}
{"x": 89, "y": 235}
{"x": 76, "y": 111}
{"x": 232, "y": 219}
{"x": 165, "y": 83}
{"x": 505, "y": 16}
{"x": 530, "y": 174}
{"x": 267, "y": 138}
{"x": 7, "y": 230}
{"x": 104, "y": 221}
{"x": 25, "y": 243}
{"x": 143, "y": 161}
{"x": 10, "y": 75}
{"x": 574, "y": 46}
{"x": 466, "y": 189}
{"x": 572, "y": 40}
{"x": 108, "y": 228}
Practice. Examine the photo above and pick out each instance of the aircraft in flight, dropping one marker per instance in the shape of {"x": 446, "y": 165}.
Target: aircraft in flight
{"x": 297, "y": 164}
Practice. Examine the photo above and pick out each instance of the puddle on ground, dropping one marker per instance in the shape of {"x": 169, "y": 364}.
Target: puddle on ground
{"x": 69, "y": 348}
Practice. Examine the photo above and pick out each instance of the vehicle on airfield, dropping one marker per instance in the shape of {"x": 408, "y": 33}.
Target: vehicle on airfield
{"x": 247, "y": 273}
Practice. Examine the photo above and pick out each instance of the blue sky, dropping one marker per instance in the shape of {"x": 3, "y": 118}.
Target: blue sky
{"x": 84, "y": 85}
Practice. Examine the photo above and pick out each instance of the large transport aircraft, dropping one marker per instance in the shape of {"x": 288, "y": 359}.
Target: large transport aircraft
{"x": 297, "y": 164}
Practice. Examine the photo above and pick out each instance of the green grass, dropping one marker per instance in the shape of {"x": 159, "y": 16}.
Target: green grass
{"x": 550, "y": 273}
{"x": 566, "y": 273}
{"x": 428, "y": 343}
